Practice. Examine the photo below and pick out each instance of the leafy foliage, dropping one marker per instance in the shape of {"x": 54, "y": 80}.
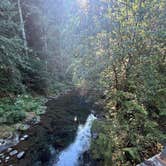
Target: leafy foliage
{"x": 128, "y": 130}
{"x": 120, "y": 51}
{"x": 14, "y": 110}
{"x": 36, "y": 67}
{"x": 11, "y": 50}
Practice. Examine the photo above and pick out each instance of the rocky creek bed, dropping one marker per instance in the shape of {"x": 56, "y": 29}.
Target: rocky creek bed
{"x": 56, "y": 128}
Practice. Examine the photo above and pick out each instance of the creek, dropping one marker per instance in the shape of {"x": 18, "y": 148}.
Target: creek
{"x": 73, "y": 153}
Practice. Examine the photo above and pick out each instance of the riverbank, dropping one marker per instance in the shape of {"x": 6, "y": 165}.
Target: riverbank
{"x": 57, "y": 128}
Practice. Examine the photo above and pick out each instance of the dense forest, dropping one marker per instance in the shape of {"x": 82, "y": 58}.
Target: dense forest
{"x": 113, "y": 51}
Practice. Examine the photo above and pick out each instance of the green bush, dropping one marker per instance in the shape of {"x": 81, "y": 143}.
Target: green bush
{"x": 13, "y": 110}
{"x": 58, "y": 87}
{"x": 14, "y": 117}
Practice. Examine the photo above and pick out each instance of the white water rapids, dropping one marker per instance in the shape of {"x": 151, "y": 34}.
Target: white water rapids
{"x": 70, "y": 156}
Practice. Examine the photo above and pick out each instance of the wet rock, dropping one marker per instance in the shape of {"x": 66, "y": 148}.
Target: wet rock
{"x": 94, "y": 135}
{"x": 20, "y": 155}
{"x": 24, "y": 138}
{"x": 9, "y": 149}
{"x": 9, "y": 142}
{"x": 14, "y": 152}
{"x": 2, "y": 141}
{"x": 36, "y": 120}
{"x": 163, "y": 153}
{"x": 52, "y": 97}
{"x": 2, "y": 156}
{"x": 7, "y": 159}
{"x": 154, "y": 161}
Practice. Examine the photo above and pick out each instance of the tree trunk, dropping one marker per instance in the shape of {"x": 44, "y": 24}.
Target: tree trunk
{"x": 116, "y": 77}
{"x": 22, "y": 26}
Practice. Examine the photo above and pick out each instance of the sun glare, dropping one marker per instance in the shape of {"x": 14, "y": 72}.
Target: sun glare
{"x": 83, "y": 4}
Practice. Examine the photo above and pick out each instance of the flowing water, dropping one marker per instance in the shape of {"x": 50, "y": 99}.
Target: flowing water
{"x": 71, "y": 155}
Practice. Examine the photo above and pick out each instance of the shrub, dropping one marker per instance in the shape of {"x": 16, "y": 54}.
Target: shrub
{"x": 13, "y": 110}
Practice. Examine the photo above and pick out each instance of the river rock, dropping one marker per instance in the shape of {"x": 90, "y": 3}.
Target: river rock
{"x": 163, "y": 153}
{"x": 12, "y": 153}
{"x": 9, "y": 149}
{"x": 152, "y": 161}
{"x": 2, "y": 141}
{"x": 94, "y": 135}
{"x": 2, "y": 156}
{"x": 20, "y": 155}
{"x": 7, "y": 158}
{"x": 24, "y": 138}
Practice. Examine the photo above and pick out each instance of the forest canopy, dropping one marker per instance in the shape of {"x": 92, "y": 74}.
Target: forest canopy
{"x": 115, "y": 49}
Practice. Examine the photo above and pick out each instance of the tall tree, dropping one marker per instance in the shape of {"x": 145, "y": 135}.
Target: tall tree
{"x": 22, "y": 25}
